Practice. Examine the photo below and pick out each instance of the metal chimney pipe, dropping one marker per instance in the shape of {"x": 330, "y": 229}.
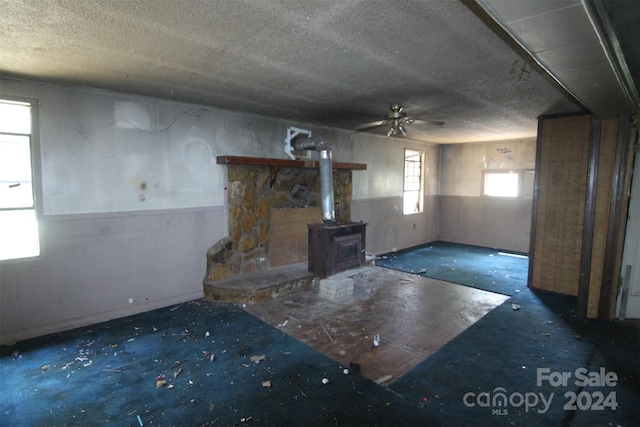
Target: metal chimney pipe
{"x": 326, "y": 174}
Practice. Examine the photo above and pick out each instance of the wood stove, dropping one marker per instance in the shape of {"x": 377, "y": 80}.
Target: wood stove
{"x": 336, "y": 247}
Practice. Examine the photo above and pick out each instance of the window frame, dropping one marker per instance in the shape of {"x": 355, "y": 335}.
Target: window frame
{"x": 420, "y": 191}
{"x": 36, "y": 176}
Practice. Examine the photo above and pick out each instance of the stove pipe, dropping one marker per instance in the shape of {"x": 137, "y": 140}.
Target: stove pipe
{"x": 326, "y": 174}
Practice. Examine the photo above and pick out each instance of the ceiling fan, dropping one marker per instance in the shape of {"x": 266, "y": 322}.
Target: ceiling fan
{"x": 396, "y": 121}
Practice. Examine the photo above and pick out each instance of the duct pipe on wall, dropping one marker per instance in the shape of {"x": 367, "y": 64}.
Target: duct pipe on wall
{"x": 326, "y": 174}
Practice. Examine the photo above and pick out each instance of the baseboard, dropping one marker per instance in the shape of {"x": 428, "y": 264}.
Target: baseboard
{"x": 11, "y": 337}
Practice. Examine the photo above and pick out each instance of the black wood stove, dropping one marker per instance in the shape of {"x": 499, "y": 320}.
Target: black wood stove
{"x": 336, "y": 247}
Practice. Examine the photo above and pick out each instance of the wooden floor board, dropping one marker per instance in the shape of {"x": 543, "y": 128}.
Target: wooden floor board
{"x": 414, "y": 316}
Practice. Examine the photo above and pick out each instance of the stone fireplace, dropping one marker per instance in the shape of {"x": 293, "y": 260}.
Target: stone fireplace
{"x": 267, "y": 196}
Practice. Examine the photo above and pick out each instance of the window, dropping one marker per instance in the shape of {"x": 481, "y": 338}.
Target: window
{"x": 19, "y": 237}
{"x": 508, "y": 183}
{"x": 412, "y": 195}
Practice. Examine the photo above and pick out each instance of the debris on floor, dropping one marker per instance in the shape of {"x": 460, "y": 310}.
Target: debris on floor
{"x": 326, "y": 332}
{"x": 178, "y": 363}
{"x": 160, "y": 381}
{"x": 383, "y": 379}
{"x": 354, "y": 367}
{"x": 244, "y": 350}
{"x": 258, "y": 358}
{"x": 376, "y": 340}
{"x": 515, "y": 307}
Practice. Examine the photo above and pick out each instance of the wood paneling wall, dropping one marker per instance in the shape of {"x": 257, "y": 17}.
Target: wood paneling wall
{"x": 289, "y": 239}
{"x": 579, "y": 209}
{"x": 561, "y": 179}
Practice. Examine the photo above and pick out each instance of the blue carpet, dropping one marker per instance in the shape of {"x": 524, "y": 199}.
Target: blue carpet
{"x": 501, "y": 354}
{"x": 478, "y": 267}
{"x": 106, "y": 374}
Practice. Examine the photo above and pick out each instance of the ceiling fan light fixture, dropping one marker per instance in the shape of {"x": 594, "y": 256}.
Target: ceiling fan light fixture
{"x": 396, "y": 120}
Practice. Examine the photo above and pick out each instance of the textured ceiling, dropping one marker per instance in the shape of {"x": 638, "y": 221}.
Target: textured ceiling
{"x": 335, "y": 63}
{"x": 580, "y": 44}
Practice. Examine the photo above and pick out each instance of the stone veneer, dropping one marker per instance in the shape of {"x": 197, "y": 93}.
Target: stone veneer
{"x": 252, "y": 197}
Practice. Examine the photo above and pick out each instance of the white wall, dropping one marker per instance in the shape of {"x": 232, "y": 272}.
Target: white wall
{"x": 93, "y": 263}
{"x": 377, "y": 193}
{"x": 465, "y": 216}
{"x": 132, "y": 199}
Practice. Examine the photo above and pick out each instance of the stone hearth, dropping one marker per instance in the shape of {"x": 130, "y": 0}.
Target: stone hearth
{"x": 254, "y": 192}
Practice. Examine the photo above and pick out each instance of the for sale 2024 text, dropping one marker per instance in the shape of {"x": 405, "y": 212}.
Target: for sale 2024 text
{"x": 594, "y": 393}
{"x": 584, "y": 400}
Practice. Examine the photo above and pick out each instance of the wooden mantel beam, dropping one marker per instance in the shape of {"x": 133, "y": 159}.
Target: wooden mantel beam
{"x": 288, "y": 163}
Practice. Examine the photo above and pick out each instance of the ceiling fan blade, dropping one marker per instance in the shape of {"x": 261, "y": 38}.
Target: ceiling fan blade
{"x": 370, "y": 125}
{"x": 427, "y": 122}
